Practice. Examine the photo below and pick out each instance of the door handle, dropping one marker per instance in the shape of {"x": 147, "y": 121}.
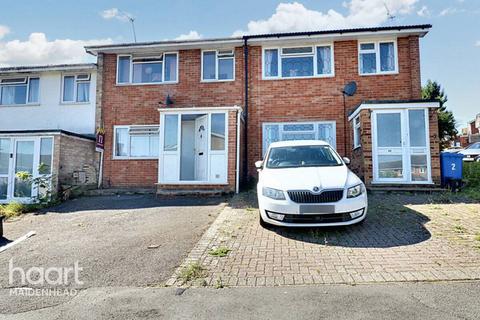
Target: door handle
{"x": 200, "y": 153}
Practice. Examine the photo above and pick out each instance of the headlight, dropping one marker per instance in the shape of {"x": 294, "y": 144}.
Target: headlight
{"x": 273, "y": 193}
{"x": 355, "y": 191}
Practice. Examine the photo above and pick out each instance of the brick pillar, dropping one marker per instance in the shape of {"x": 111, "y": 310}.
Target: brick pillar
{"x": 99, "y": 91}
{"x": 416, "y": 84}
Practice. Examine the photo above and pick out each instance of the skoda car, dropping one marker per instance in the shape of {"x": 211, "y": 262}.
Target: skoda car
{"x": 307, "y": 184}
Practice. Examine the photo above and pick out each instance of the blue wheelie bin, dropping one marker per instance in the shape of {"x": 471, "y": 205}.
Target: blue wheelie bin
{"x": 451, "y": 165}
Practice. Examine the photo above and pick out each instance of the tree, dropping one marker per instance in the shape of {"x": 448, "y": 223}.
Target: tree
{"x": 446, "y": 120}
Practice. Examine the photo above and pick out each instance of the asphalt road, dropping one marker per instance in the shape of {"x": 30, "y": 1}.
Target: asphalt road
{"x": 118, "y": 241}
{"x": 381, "y": 301}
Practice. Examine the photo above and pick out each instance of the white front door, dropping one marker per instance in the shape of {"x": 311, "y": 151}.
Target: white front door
{"x": 201, "y": 148}
{"x": 24, "y": 158}
{"x": 401, "y": 146}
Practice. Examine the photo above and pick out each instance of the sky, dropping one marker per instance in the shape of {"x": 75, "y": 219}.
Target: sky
{"x": 55, "y": 31}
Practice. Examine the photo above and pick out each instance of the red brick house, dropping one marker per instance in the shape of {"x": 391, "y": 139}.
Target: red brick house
{"x": 191, "y": 115}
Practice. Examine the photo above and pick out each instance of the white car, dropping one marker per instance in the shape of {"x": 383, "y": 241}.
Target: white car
{"x": 307, "y": 184}
{"x": 471, "y": 153}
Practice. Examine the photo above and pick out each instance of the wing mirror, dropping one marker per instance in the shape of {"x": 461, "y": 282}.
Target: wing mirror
{"x": 346, "y": 160}
{"x": 259, "y": 164}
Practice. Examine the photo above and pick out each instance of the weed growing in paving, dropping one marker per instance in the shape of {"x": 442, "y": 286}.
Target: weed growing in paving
{"x": 219, "y": 252}
{"x": 192, "y": 272}
{"x": 459, "y": 229}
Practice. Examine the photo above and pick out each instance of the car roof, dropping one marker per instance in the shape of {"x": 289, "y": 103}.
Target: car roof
{"x": 295, "y": 143}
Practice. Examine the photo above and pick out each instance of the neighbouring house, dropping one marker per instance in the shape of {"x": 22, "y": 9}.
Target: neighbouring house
{"x": 473, "y": 130}
{"x": 195, "y": 115}
{"x": 47, "y": 116}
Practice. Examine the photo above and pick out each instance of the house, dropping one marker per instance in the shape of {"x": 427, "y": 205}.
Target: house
{"x": 47, "y": 118}
{"x": 195, "y": 115}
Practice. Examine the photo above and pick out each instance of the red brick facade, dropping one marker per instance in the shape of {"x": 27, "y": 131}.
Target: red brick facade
{"x": 284, "y": 100}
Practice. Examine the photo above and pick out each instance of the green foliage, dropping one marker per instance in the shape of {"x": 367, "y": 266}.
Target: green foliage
{"x": 14, "y": 209}
{"x": 446, "y": 120}
{"x": 471, "y": 174}
{"x": 219, "y": 252}
{"x": 192, "y": 272}
{"x": 42, "y": 183}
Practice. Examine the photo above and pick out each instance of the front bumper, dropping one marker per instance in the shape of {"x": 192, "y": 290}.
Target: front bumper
{"x": 315, "y": 214}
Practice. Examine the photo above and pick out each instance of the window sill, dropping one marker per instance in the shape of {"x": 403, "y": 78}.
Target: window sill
{"x": 20, "y": 105}
{"x": 74, "y": 103}
{"x": 296, "y": 78}
{"x": 214, "y": 81}
{"x": 134, "y": 158}
{"x": 378, "y": 74}
{"x": 145, "y": 84}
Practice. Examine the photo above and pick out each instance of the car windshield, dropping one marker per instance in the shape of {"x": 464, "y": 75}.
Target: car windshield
{"x": 302, "y": 156}
{"x": 474, "y": 146}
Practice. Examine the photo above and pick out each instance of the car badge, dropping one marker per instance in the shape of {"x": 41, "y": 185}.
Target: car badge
{"x": 316, "y": 189}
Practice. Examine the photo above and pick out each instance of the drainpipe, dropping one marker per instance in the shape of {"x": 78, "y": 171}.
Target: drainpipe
{"x": 245, "y": 135}
{"x": 237, "y": 175}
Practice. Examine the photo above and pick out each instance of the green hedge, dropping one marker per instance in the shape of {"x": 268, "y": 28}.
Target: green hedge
{"x": 471, "y": 174}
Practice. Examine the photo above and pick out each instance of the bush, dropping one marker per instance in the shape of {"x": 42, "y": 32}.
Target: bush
{"x": 471, "y": 174}
{"x": 14, "y": 209}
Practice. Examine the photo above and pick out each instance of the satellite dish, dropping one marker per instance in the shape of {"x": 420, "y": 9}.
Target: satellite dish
{"x": 350, "y": 88}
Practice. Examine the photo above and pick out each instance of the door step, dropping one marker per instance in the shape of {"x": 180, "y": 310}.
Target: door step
{"x": 406, "y": 188}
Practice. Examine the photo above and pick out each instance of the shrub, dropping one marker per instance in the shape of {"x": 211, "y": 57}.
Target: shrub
{"x": 471, "y": 174}
{"x": 12, "y": 209}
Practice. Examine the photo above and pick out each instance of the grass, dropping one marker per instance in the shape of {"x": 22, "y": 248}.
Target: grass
{"x": 192, "y": 272}
{"x": 219, "y": 252}
{"x": 14, "y": 209}
{"x": 459, "y": 229}
{"x": 477, "y": 237}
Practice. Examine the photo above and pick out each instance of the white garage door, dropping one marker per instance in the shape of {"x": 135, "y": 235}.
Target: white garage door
{"x": 284, "y": 131}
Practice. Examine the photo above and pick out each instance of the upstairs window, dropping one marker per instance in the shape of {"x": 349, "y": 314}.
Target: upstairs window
{"x": 136, "y": 142}
{"x": 218, "y": 65}
{"x": 298, "y": 62}
{"x": 378, "y": 57}
{"x": 19, "y": 91}
{"x": 76, "y": 88}
{"x": 151, "y": 69}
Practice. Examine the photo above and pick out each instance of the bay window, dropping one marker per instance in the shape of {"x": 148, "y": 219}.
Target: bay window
{"x": 136, "y": 142}
{"x": 19, "y": 91}
{"x": 162, "y": 68}
{"x": 218, "y": 65}
{"x": 378, "y": 57}
{"x": 76, "y": 88}
{"x": 298, "y": 62}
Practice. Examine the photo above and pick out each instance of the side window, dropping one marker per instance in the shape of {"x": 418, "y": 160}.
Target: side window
{"x": 356, "y": 132}
{"x": 76, "y": 88}
{"x": 218, "y": 65}
{"x": 377, "y": 57}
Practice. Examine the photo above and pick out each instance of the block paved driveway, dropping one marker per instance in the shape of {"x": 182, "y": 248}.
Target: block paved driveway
{"x": 405, "y": 238}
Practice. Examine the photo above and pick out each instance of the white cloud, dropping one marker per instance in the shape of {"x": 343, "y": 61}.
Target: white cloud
{"x": 477, "y": 44}
{"x": 4, "y": 30}
{"x": 449, "y": 11}
{"x": 114, "y": 13}
{"x": 192, "y": 35}
{"x": 296, "y": 17}
{"x": 424, "y": 12}
{"x": 39, "y": 50}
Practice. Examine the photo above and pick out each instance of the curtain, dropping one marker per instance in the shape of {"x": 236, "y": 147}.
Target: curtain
{"x": 324, "y": 62}
{"x": 83, "y": 92}
{"x": 387, "y": 56}
{"x": 8, "y": 95}
{"x": 271, "y": 63}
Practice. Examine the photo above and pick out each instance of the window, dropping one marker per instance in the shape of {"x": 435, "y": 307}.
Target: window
{"x": 217, "y": 140}
{"x": 18, "y": 91}
{"x": 136, "y": 142}
{"x": 46, "y": 155}
{"x": 143, "y": 70}
{"x": 218, "y": 65}
{"x": 302, "y": 156}
{"x": 171, "y": 133}
{"x": 378, "y": 57}
{"x": 76, "y": 88}
{"x": 298, "y": 62}
{"x": 285, "y": 131}
{"x": 356, "y": 132}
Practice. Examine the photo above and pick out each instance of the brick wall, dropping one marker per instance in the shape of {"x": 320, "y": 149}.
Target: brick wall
{"x": 321, "y": 98}
{"x": 138, "y": 104}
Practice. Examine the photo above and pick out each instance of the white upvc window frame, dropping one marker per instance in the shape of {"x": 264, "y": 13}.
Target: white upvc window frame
{"x": 356, "y": 132}
{"x": 129, "y": 157}
{"x": 75, "y": 83}
{"x": 290, "y": 55}
{"x": 216, "y": 65}
{"x": 27, "y": 83}
{"x": 130, "y": 80}
{"x": 376, "y": 50}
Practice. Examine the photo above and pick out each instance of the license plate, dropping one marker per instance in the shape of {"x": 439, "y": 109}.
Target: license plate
{"x": 316, "y": 208}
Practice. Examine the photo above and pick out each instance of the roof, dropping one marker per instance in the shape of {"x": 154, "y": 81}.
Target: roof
{"x": 420, "y": 29}
{"x": 48, "y": 67}
{"x": 47, "y": 131}
{"x": 298, "y": 143}
{"x": 385, "y": 104}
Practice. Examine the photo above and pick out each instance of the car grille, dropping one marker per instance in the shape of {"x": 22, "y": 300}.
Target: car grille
{"x": 315, "y": 218}
{"x": 309, "y": 197}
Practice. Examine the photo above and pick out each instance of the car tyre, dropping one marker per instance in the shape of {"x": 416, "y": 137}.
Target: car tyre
{"x": 263, "y": 224}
